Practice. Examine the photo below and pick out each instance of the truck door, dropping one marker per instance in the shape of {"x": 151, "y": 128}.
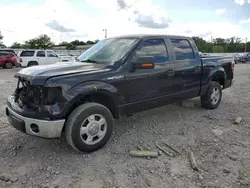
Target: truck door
{"x": 147, "y": 88}
{"x": 188, "y": 68}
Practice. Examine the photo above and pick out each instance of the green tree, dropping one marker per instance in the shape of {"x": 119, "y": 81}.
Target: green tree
{"x": 77, "y": 42}
{"x": 202, "y": 45}
{"x": 218, "y": 49}
{"x": 40, "y": 42}
{"x": 219, "y": 41}
{"x": 248, "y": 47}
{"x": 44, "y": 42}
{"x": 90, "y": 42}
{"x": 64, "y": 43}
{"x": 70, "y": 46}
{"x": 16, "y": 45}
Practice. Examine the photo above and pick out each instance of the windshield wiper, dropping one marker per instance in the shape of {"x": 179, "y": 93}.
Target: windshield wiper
{"x": 90, "y": 61}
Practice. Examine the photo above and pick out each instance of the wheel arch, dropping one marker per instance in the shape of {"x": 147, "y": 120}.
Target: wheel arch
{"x": 95, "y": 91}
{"x": 102, "y": 97}
{"x": 218, "y": 75}
{"x": 32, "y": 62}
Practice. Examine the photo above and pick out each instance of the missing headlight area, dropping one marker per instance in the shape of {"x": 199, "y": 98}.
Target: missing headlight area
{"x": 31, "y": 96}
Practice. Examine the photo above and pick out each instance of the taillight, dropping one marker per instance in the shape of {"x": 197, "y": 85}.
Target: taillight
{"x": 233, "y": 64}
{"x": 20, "y": 60}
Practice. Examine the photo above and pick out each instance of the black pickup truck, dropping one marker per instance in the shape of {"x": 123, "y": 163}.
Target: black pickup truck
{"x": 117, "y": 76}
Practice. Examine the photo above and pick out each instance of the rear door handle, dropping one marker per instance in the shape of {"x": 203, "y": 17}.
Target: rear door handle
{"x": 170, "y": 72}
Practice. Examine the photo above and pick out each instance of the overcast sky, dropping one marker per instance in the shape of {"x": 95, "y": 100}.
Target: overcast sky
{"x": 86, "y": 19}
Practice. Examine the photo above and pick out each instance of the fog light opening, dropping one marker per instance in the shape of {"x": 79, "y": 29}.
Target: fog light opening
{"x": 34, "y": 128}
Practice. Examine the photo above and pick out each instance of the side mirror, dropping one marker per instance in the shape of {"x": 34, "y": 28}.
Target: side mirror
{"x": 145, "y": 62}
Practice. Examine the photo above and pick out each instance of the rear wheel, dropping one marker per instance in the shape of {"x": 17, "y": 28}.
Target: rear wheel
{"x": 89, "y": 127}
{"x": 8, "y": 65}
{"x": 212, "y": 98}
{"x": 32, "y": 63}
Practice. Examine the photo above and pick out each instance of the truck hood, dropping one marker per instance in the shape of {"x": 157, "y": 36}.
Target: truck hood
{"x": 43, "y": 72}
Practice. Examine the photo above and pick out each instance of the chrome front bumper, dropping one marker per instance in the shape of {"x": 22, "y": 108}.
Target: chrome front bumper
{"x": 35, "y": 127}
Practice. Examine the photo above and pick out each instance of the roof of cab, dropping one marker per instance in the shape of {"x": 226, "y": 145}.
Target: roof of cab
{"x": 142, "y": 36}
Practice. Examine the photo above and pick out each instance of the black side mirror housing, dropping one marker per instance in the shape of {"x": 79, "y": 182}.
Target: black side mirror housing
{"x": 145, "y": 62}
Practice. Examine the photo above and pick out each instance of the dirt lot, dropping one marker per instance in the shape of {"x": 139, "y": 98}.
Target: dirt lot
{"x": 222, "y": 149}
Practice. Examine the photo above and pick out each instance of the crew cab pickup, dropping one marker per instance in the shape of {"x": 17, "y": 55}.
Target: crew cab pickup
{"x": 117, "y": 76}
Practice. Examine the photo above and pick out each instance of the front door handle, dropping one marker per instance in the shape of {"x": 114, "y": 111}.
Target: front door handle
{"x": 170, "y": 72}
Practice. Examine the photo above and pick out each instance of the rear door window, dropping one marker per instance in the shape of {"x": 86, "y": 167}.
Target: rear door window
{"x": 40, "y": 54}
{"x": 29, "y": 53}
{"x": 182, "y": 49}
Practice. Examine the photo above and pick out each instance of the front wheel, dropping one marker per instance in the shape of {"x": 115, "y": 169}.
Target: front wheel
{"x": 212, "y": 97}
{"x": 89, "y": 127}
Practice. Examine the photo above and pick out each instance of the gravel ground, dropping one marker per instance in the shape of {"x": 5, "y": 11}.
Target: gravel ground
{"x": 220, "y": 147}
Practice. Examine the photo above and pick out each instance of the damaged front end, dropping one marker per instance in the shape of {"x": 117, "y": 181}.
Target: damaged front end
{"x": 31, "y": 97}
{"x": 36, "y": 100}
{"x": 31, "y": 109}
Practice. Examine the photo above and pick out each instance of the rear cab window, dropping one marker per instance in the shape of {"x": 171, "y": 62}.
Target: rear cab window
{"x": 153, "y": 47}
{"x": 29, "y": 53}
{"x": 182, "y": 49}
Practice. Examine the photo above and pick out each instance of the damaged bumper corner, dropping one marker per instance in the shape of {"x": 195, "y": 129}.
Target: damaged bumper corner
{"x": 35, "y": 127}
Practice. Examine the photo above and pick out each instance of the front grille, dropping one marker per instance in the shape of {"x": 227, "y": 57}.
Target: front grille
{"x": 29, "y": 96}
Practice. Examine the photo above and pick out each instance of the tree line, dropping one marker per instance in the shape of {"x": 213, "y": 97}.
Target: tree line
{"x": 221, "y": 45}
{"x": 45, "y": 42}
{"x": 217, "y": 45}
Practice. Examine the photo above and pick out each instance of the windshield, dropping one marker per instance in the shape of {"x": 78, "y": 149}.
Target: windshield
{"x": 108, "y": 50}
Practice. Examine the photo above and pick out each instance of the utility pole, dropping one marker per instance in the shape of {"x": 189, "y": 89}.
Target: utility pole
{"x": 105, "y": 30}
{"x": 61, "y": 34}
{"x": 246, "y": 46}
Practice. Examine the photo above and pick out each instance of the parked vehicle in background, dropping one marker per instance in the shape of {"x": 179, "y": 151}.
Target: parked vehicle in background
{"x": 246, "y": 58}
{"x": 8, "y": 60}
{"x": 117, "y": 76}
{"x": 238, "y": 58}
{"x": 8, "y": 50}
{"x": 40, "y": 57}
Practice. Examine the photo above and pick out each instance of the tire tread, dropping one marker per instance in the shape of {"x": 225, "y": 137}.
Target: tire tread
{"x": 205, "y": 99}
{"x": 74, "y": 116}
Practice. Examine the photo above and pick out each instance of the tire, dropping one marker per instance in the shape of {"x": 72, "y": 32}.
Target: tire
{"x": 79, "y": 119}
{"x": 8, "y": 65}
{"x": 32, "y": 63}
{"x": 214, "y": 91}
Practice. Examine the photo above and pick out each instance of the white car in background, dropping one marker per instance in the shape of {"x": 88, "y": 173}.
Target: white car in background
{"x": 29, "y": 58}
